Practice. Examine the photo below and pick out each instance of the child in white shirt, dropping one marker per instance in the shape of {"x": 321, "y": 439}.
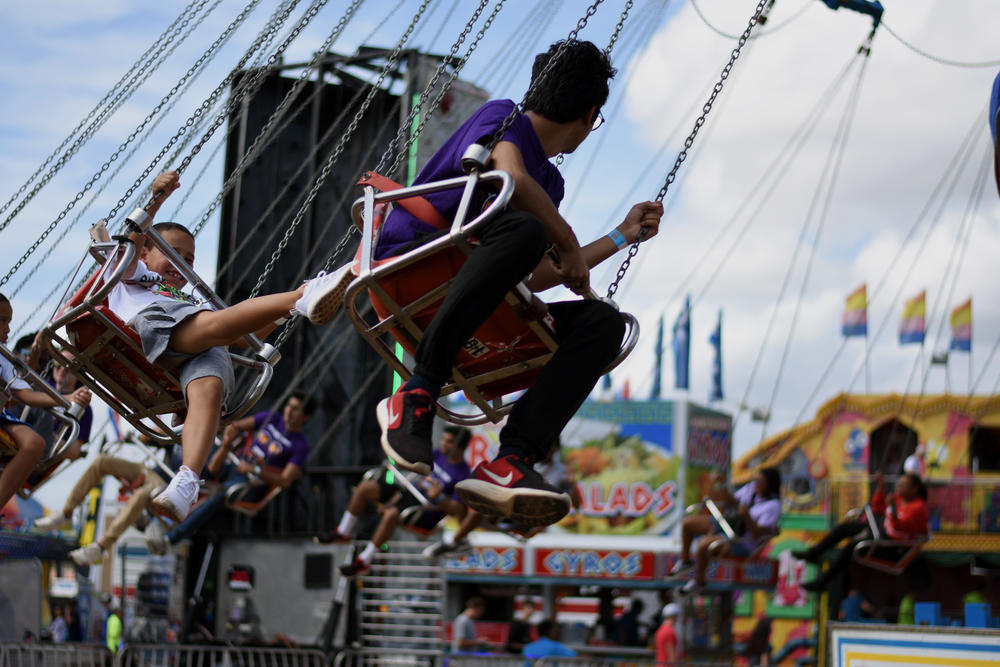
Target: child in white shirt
{"x": 179, "y": 332}
{"x": 30, "y": 446}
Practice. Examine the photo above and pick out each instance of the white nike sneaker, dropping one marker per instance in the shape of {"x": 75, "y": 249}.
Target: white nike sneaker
{"x": 175, "y": 501}
{"x": 323, "y": 295}
{"x": 88, "y": 555}
{"x": 54, "y": 521}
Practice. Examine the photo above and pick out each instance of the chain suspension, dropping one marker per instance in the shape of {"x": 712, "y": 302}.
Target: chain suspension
{"x": 117, "y": 90}
{"x": 114, "y": 156}
{"x": 689, "y": 141}
{"x": 263, "y": 137}
{"x": 332, "y": 159}
{"x": 618, "y": 28}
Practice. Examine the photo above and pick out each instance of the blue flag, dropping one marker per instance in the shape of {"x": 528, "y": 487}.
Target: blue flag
{"x": 682, "y": 345}
{"x": 654, "y": 395}
{"x": 715, "y": 393}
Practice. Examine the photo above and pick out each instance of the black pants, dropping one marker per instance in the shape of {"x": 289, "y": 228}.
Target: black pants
{"x": 842, "y": 531}
{"x": 589, "y": 333}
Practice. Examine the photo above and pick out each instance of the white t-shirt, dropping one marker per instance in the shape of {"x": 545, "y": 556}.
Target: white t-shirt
{"x": 135, "y": 292}
{"x": 9, "y": 378}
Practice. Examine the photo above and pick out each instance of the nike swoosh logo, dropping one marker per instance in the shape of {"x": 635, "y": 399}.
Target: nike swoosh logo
{"x": 502, "y": 481}
{"x": 393, "y": 416}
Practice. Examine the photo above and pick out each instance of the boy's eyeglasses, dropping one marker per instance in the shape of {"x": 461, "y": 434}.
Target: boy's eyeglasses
{"x": 598, "y": 121}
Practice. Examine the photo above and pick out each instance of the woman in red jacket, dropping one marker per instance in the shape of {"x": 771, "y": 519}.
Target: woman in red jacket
{"x": 905, "y": 519}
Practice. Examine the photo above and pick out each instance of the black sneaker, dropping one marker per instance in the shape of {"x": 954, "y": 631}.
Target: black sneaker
{"x": 510, "y": 488}
{"x": 406, "y": 419}
{"x": 354, "y": 568}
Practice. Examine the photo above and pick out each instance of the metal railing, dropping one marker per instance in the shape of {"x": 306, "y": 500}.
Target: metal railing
{"x": 54, "y": 655}
{"x": 160, "y": 655}
{"x": 962, "y": 505}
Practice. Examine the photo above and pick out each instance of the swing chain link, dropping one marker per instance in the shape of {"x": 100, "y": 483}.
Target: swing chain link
{"x": 689, "y": 141}
{"x": 404, "y": 128}
{"x": 264, "y": 136}
{"x": 198, "y": 112}
{"x": 136, "y": 72}
{"x": 256, "y": 77}
{"x": 328, "y": 166}
{"x": 618, "y": 28}
{"x": 563, "y": 46}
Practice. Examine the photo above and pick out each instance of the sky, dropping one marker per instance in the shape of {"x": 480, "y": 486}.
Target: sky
{"x": 911, "y": 113}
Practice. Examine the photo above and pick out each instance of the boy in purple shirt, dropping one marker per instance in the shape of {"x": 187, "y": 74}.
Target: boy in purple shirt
{"x": 561, "y": 110}
{"x": 438, "y": 487}
{"x": 276, "y": 456}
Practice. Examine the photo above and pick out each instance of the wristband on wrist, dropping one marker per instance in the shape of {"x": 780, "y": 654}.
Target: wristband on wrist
{"x": 280, "y": 321}
{"x": 618, "y": 238}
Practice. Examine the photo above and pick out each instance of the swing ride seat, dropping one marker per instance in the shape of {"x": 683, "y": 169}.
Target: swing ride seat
{"x": 865, "y": 551}
{"x": 507, "y": 352}
{"x": 65, "y": 413}
{"x": 108, "y": 356}
{"x": 260, "y": 495}
{"x": 730, "y": 534}
{"x": 409, "y": 516}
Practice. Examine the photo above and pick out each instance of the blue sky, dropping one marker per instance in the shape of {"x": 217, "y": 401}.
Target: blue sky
{"x": 912, "y": 114}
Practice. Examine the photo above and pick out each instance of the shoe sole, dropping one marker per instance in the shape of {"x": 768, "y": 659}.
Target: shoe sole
{"x": 528, "y": 507}
{"x": 382, "y": 414}
{"x": 166, "y": 510}
{"x": 326, "y": 305}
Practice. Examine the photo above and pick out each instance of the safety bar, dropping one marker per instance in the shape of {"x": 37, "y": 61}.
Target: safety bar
{"x": 713, "y": 509}
{"x": 66, "y": 412}
{"x": 864, "y": 550}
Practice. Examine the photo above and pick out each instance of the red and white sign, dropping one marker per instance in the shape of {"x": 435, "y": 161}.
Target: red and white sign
{"x": 595, "y": 563}
{"x": 489, "y": 560}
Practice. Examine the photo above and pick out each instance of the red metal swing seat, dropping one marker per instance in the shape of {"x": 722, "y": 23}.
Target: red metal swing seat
{"x": 65, "y": 413}
{"x": 506, "y": 353}
{"x": 108, "y": 356}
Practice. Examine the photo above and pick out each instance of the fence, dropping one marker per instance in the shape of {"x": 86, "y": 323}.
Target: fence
{"x": 54, "y": 655}
{"x": 160, "y": 655}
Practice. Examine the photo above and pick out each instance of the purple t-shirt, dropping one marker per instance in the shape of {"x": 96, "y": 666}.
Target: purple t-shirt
{"x": 765, "y": 512}
{"x": 448, "y": 474}
{"x": 401, "y": 228}
{"x": 274, "y": 444}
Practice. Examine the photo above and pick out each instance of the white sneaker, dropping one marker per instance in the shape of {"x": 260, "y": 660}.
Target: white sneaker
{"x": 323, "y": 295}
{"x": 54, "y": 521}
{"x": 692, "y": 587}
{"x": 88, "y": 555}
{"x": 176, "y": 500}
{"x": 680, "y": 567}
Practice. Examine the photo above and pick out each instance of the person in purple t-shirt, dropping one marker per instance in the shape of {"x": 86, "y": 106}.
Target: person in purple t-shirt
{"x": 276, "y": 456}
{"x": 561, "y": 110}
{"x": 449, "y": 469}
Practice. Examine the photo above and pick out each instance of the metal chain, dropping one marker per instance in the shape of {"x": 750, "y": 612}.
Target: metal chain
{"x": 116, "y": 102}
{"x": 404, "y": 127}
{"x": 137, "y": 69}
{"x": 634, "y": 248}
{"x": 512, "y": 116}
{"x": 256, "y": 79}
{"x": 618, "y": 28}
{"x": 341, "y": 144}
{"x": 114, "y": 156}
{"x": 262, "y": 140}
{"x": 272, "y": 25}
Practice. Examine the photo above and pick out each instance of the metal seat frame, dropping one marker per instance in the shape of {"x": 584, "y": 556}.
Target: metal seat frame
{"x": 864, "y": 550}
{"x": 120, "y": 386}
{"x": 373, "y": 276}
{"x": 66, "y": 413}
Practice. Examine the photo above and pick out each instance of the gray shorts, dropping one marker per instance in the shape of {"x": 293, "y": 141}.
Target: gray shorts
{"x": 156, "y": 322}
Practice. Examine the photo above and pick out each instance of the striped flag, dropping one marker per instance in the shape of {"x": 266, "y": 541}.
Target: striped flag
{"x": 961, "y": 327}
{"x": 913, "y": 324}
{"x": 855, "y": 319}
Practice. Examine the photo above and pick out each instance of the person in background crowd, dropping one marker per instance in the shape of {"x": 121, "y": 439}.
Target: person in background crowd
{"x": 548, "y": 645}
{"x": 627, "y": 628}
{"x": 520, "y": 628}
{"x": 665, "y": 640}
{"x": 59, "y": 628}
{"x": 463, "y": 631}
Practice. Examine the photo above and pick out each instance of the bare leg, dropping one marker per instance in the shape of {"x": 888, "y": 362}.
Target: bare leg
{"x": 386, "y": 527}
{"x": 215, "y": 328}
{"x": 692, "y": 527}
{"x": 204, "y": 400}
{"x": 365, "y": 493}
{"x": 469, "y": 523}
{"x": 30, "y": 448}
{"x": 701, "y": 562}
